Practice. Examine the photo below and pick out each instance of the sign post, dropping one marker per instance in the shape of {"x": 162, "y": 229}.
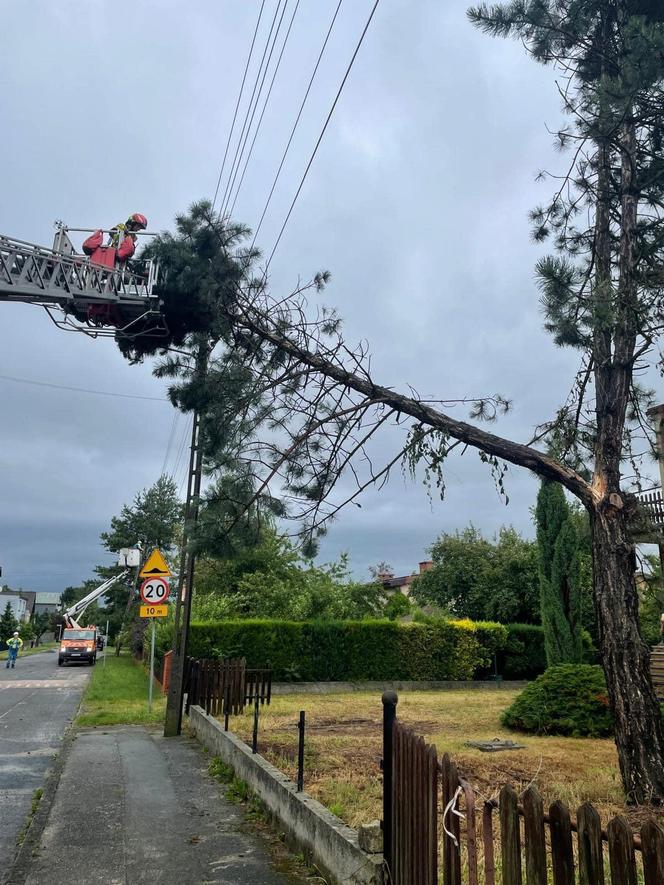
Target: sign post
{"x": 151, "y": 667}
{"x": 105, "y": 643}
{"x": 154, "y": 594}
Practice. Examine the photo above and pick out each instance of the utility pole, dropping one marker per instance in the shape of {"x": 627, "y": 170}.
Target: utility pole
{"x": 173, "y": 723}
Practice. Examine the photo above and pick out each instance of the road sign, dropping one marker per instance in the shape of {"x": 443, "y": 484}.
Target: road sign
{"x": 155, "y": 567}
{"x": 154, "y": 611}
{"x": 155, "y": 590}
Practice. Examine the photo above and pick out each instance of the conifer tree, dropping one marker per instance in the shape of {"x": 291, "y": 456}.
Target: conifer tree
{"x": 602, "y": 293}
{"x": 8, "y": 624}
{"x": 559, "y": 575}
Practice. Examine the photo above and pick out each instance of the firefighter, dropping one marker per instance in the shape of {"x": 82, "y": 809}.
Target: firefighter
{"x": 123, "y": 236}
{"x": 14, "y": 645}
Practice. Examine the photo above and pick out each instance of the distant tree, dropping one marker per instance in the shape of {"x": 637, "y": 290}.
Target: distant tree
{"x": 8, "y": 624}
{"x": 41, "y": 622}
{"x": 475, "y": 578}
{"x": 397, "y": 606}
{"x": 26, "y": 631}
{"x": 559, "y": 576}
{"x": 152, "y": 518}
{"x": 272, "y": 580}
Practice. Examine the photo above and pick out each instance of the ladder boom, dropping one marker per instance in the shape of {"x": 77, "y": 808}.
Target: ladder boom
{"x": 78, "y": 608}
{"x": 33, "y": 274}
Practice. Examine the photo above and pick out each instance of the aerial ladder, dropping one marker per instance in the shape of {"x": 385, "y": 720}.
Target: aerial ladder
{"x": 78, "y": 293}
{"x": 78, "y": 643}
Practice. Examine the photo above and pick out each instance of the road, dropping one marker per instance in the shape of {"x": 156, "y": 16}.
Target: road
{"x": 37, "y": 701}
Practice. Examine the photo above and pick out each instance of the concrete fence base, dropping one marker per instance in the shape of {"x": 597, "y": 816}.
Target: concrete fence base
{"x": 326, "y": 840}
{"x": 280, "y": 688}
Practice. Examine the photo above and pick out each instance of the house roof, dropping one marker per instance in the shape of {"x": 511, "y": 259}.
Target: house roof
{"x": 48, "y": 599}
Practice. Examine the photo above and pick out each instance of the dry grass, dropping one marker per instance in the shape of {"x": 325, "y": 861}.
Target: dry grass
{"x": 343, "y": 749}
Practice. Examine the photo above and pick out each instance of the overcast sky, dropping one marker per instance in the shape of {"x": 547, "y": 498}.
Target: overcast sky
{"x": 417, "y": 203}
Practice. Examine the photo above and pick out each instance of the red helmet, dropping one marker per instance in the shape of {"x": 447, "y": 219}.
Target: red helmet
{"x": 137, "y": 220}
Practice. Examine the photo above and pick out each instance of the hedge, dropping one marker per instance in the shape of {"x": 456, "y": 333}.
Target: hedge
{"x": 524, "y": 657}
{"x": 352, "y": 651}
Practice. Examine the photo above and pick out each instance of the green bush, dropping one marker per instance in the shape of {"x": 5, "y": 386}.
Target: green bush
{"x": 568, "y": 699}
{"x": 523, "y": 656}
{"x": 353, "y": 650}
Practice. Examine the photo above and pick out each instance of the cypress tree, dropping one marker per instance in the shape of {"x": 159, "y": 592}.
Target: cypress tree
{"x": 559, "y": 574}
{"x": 561, "y": 610}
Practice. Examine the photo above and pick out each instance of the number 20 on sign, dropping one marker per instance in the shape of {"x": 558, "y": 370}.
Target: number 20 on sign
{"x": 155, "y": 591}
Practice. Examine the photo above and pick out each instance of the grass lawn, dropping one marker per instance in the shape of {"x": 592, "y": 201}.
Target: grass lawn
{"x": 343, "y": 749}
{"x": 118, "y": 695}
{"x": 45, "y": 646}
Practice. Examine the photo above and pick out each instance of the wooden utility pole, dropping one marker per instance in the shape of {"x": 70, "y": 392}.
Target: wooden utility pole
{"x": 173, "y": 723}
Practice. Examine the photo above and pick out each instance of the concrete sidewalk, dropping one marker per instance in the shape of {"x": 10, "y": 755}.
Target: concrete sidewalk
{"x": 132, "y": 807}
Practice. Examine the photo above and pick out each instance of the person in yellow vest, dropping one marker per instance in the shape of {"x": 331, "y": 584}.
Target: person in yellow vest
{"x": 14, "y": 645}
{"x": 123, "y": 236}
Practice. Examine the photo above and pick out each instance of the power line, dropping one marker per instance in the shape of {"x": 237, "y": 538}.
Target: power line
{"x": 267, "y": 99}
{"x": 249, "y": 106}
{"x": 297, "y": 120}
{"x": 323, "y": 130}
{"x": 185, "y": 434}
{"x": 156, "y": 399}
{"x": 237, "y": 104}
{"x": 176, "y": 415}
{"x": 243, "y": 141}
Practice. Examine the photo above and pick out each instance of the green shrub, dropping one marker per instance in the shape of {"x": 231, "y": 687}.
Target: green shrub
{"x": 568, "y": 699}
{"x": 353, "y": 650}
{"x": 523, "y": 656}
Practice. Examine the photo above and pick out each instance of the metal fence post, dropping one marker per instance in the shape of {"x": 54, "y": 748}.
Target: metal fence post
{"x": 300, "y": 754}
{"x": 254, "y": 742}
{"x": 390, "y": 700}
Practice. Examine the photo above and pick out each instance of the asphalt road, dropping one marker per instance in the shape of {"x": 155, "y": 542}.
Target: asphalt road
{"x": 37, "y": 701}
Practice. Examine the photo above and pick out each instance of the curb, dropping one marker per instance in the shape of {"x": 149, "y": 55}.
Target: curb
{"x": 19, "y": 867}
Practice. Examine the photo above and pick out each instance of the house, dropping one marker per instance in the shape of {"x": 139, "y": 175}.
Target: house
{"x": 48, "y": 603}
{"x": 393, "y": 584}
{"x": 18, "y": 605}
{"x": 30, "y": 596}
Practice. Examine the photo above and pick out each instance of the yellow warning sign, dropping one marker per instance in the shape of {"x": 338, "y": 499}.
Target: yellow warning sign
{"x": 154, "y": 611}
{"x": 155, "y": 567}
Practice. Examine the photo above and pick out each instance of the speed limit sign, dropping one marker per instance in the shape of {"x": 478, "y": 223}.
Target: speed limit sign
{"x": 155, "y": 590}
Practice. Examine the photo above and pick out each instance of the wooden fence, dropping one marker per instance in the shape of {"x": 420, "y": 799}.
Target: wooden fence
{"x": 431, "y": 823}
{"x": 210, "y": 682}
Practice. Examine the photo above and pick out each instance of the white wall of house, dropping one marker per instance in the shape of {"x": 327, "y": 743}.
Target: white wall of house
{"x": 19, "y": 607}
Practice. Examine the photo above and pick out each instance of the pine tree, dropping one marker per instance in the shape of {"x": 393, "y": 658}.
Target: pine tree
{"x": 8, "y": 624}
{"x": 559, "y": 575}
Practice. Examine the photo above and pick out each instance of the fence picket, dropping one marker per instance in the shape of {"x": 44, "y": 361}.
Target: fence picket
{"x": 451, "y": 824}
{"x": 432, "y": 814}
{"x": 591, "y": 853}
{"x": 487, "y": 842}
{"x": 471, "y": 833}
{"x": 652, "y": 848}
{"x": 535, "y": 842}
{"x": 510, "y": 836}
{"x": 562, "y": 855}
{"x": 621, "y": 852}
